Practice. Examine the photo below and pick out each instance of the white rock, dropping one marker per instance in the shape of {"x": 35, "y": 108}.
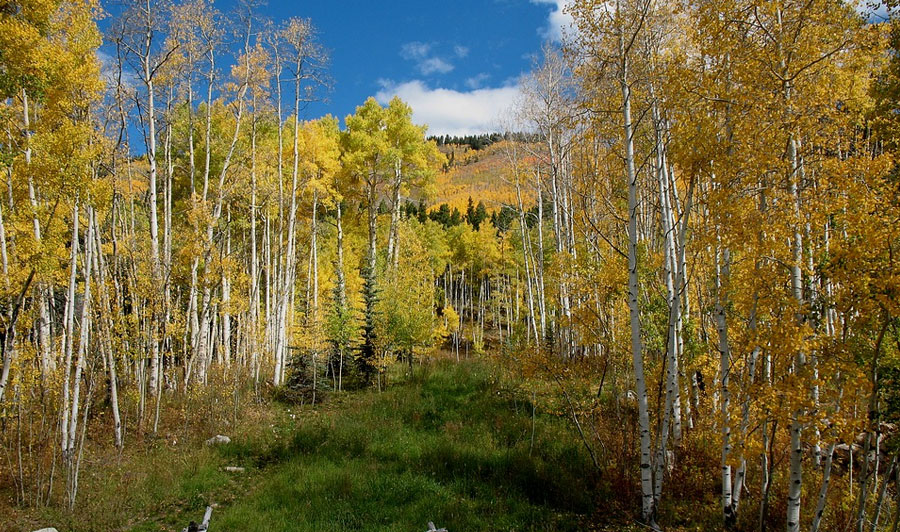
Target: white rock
{"x": 218, "y": 439}
{"x": 47, "y": 530}
{"x": 234, "y": 469}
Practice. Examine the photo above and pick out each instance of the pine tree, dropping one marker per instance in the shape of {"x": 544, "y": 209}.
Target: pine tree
{"x": 367, "y": 359}
{"x": 470, "y": 212}
{"x": 455, "y": 217}
{"x": 479, "y": 215}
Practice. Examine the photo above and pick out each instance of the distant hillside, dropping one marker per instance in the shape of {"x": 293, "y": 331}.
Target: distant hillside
{"x": 481, "y": 174}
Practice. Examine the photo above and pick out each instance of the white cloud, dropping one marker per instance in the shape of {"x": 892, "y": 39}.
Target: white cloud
{"x": 461, "y": 51}
{"x": 109, "y": 71}
{"x": 415, "y": 50}
{"x": 451, "y": 112}
{"x": 475, "y": 82}
{"x": 426, "y": 62}
{"x": 559, "y": 22}
{"x": 434, "y": 64}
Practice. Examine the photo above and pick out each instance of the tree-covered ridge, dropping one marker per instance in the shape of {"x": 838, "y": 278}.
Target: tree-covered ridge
{"x": 478, "y": 142}
{"x": 690, "y": 257}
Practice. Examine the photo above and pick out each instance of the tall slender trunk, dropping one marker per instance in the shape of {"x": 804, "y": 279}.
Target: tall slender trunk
{"x": 523, "y": 227}
{"x": 674, "y": 303}
{"x": 339, "y": 266}
{"x": 393, "y": 243}
{"x": 289, "y": 265}
{"x": 371, "y": 196}
{"x": 226, "y": 301}
{"x": 879, "y": 502}
{"x": 723, "y": 260}
{"x": 795, "y": 485}
{"x": 201, "y": 309}
{"x": 8, "y": 346}
{"x": 275, "y": 286}
{"x": 254, "y": 257}
{"x": 314, "y": 258}
{"x": 106, "y": 341}
{"x": 84, "y": 330}
{"x": 539, "y": 260}
{"x": 823, "y": 490}
{"x": 43, "y": 291}
{"x": 152, "y": 202}
{"x": 647, "y": 506}
{"x": 69, "y": 321}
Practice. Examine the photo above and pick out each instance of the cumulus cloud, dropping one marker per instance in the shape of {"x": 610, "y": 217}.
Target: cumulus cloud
{"x": 559, "y": 22}
{"x": 452, "y": 112}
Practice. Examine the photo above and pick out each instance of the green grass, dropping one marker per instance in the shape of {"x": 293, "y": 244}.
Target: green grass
{"x": 449, "y": 444}
{"x": 446, "y": 446}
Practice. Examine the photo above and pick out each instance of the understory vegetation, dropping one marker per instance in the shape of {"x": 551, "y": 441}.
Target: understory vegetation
{"x": 459, "y": 444}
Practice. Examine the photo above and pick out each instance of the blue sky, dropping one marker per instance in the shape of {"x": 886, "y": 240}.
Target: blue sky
{"x": 456, "y": 62}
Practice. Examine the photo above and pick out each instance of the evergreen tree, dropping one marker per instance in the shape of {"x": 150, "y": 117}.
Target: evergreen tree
{"x": 479, "y": 216}
{"x": 423, "y": 212}
{"x": 470, "y": 212}
{"x": 366, "y": 361}
{"x": 505, "y": 218}
{"x": 441, "y": 215}
{"x": 455, "y": 217}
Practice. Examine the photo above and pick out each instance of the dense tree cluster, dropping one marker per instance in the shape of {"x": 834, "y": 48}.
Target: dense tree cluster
{"x": 699, "y": 257}
{"x": 479, "y": 142}
{"x": 475, "y": 142}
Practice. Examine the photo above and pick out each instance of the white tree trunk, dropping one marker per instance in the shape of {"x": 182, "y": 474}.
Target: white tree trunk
{"x": 314, "y": 259}
{"x": 85, "y": 328}
{"x": 152, "y": 204}
{"x": 69, "y": 320}
{"x": 106, "y": 344}
{"x": 795, "y": 485}
{"x": 393, "y": 244}
{"x": 823, "y": 490}
{"x": 43, "y": 292}
{"x": 647, "y": 506}
{"x": 723, "y": 260}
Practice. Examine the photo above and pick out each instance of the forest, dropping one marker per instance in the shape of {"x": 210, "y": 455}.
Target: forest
{"x": 671, "y": 303}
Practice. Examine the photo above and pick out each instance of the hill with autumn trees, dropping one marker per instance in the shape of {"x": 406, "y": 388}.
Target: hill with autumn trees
{"x": 673, "y": 303}
{"x": 479, "y": 173}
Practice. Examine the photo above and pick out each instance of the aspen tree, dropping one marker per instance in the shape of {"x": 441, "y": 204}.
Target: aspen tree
{"x": 611, "y": 32}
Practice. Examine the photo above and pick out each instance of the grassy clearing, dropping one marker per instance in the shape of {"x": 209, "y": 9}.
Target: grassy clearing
{"x": 449, "y": 444}
{"x": 446, "y": 446}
